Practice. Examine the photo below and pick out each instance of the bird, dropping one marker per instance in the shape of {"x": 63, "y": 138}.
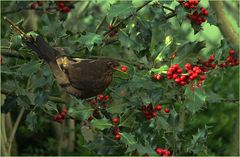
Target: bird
{"x": 82, "y": 78}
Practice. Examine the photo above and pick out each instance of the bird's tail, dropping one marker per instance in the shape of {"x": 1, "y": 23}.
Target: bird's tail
{"x": 38, "y": 45}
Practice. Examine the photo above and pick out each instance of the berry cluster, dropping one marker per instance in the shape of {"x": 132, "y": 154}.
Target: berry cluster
{"x": 98, "y": 103}
{"x": 112, "y": 32}
{"x": 195, "y": 14}
{"x": 61, "y": 116}
{"x": 116, "y": 133}
{"x": 163, "y": 152}
{"x": 232, "y": 59}
{"x": 34, "y": 5}
{"x": 150, "y": 112}
{"x": 64, "y": 6}
{"x": 193, "y": 72}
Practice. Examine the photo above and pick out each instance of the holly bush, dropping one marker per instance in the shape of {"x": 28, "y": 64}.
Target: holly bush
{"x": 175, "y": 92}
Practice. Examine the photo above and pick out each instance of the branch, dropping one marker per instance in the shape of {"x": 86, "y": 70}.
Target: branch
{"x": 224, "y": 24}
{"x": 15, "y": 129}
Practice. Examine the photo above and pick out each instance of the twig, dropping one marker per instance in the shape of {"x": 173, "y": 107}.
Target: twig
{"x": 100, "y": 24}
{"x": 15, "y": 128}
{"x": 170, "y": 9}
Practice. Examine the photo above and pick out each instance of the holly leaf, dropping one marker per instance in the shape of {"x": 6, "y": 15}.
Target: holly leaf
{"x": 188, "y": 51}
{"x": 127, "y": 42}
{"x": 29, "y": 68}
{"x": 194, "y": 99}
{"x": 128, "y": 138}
{"x": 121, "y": 9}
{"x": 101, "y": 124}
{"x": 181, "y": 13}
{"x": 90, "y": 39}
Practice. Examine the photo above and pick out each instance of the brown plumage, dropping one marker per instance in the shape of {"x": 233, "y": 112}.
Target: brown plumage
{"x": 82, "y": 78}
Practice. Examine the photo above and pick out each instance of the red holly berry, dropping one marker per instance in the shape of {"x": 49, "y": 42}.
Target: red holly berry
{"x": 159, "y": 151}
{"x": 154, "y": 114}
{"x": 174, "y": 76}
{"x": 157, "y": 77}
{"x": 179, "y": 70}
{"x": 211, "y": 58}
{"x": 167, "y": 110}
{"x": 205, "y": 13}
{"x": 158, "y": 107}
{"x": 118, "y": 136}
{"x": 106, "y": 98}
{"x": 186, "y": 5}
{"x": 202, "y": 77}
{"x": 177, "y": 80}
{"x": 34, "y": 5}
{"x": 175, "y": 66}
{"x": 100, "y": 97}
{"x": 231, "y": 52}
{"x": 187, "y": 66}
{"x": 124, "y": 68}
{"x": 61, "y": 5}
{"x": 66, "y": 9}
{"x": 115, "y": 120}
{"x": 223, "y": 65}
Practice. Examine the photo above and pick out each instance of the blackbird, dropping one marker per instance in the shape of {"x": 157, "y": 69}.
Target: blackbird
{"x": 83, "y": 78}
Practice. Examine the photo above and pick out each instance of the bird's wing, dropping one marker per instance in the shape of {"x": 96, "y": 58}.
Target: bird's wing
{"x": 87, "y": 75}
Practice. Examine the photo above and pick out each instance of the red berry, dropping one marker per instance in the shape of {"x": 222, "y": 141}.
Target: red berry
{"x": 118, "y": 136}
{"x": 167, "y": 110}
{"x": 179, "y": 70}
{"x": 66, "y": 9}
{"x": 198, "y": 71}
{"x": 223, "y": 65}
{"x": 190, "y": 72}
{"x": 192, "y": 6}
{"x": 106, "y": 97}
{"x": 205, "y": 13}
{"x": 62, "y": 114}
{"x": 159, "y": 151}
{"x": 202, "y": 9}
{"x": 175, "y": 76}
{"x": 124, "y": 68}
{"x": 34, "y": 5}
{"x": 157, "y": 77}
{"x": 229, "y": 58}
{"x": 158, "y": 107}
{"x": 175, "y": 66}
{"x": 154, "y": 114}
{"x": 166, "y": 152}
{"x": 211, "y": 58}
{"x": 61, "y": 5}
{"x": 177, "y": 80}
{"x": 231, "y": 52}
{"x": 186, "y": 5}
{"x": 202, "y": 77}
{"x": 187, "y": 66}
{"x": 100, "y": 97}
{"x": 183, "y": 77}
{"x": 115, "y": 120}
